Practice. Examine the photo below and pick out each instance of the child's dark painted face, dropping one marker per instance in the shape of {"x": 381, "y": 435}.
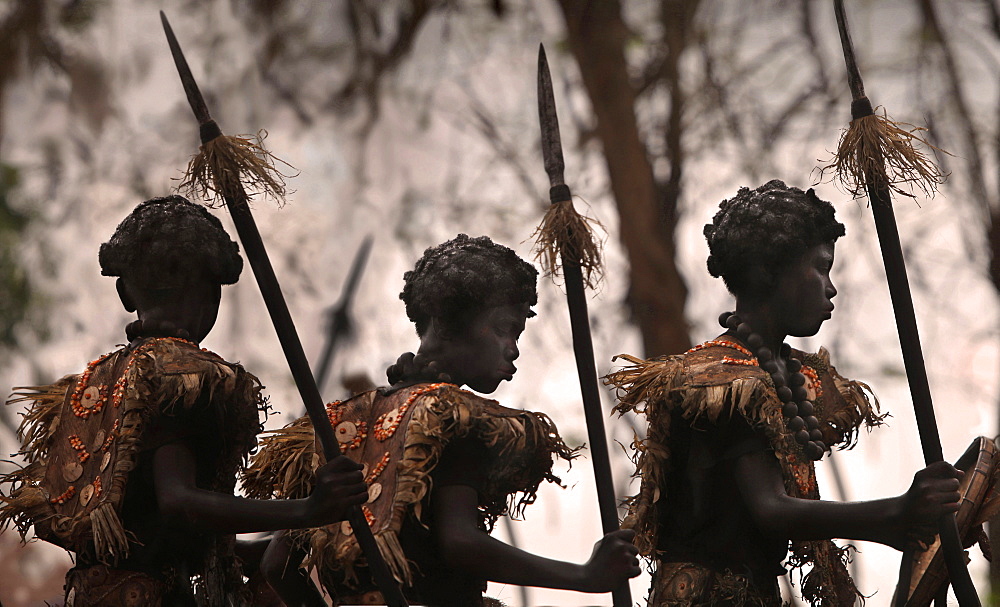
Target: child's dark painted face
{"x": 803, "y": 296}
{"x": 483, "y": 354}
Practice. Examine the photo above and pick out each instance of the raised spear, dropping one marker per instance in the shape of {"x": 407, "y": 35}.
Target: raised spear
{"x": 565, "y": 239}
{"x": 339, "y": 314}
{"x": 218, "y": 169}
{"x": 874, "y": 155}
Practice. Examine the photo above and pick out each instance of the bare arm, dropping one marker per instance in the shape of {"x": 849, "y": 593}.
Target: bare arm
{"x": 467, "y": 548}
{"x": 340, "y": 485}
{"x": 892, "y": 521}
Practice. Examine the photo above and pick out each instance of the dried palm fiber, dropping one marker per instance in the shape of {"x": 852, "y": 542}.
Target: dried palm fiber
{"x": 874, "y": 150}
{"x": 565, "y": 235}
{"x": 227, "y": 166}
{"x": 701, "y": 385}
{"x": 160, "y": 377}
{"x": 520, "y": 445}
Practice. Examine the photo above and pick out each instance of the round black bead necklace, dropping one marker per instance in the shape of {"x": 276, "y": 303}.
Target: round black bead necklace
{"x": 796, "y": 408}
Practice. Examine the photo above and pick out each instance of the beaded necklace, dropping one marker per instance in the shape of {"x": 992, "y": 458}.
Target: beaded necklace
{"x": 796, "y": 408}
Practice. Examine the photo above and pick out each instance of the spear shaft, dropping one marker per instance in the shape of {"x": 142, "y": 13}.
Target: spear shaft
{"x": 576, "y": 298}
{"x": 879, "y": 195}
{"x": 246, "y": 228}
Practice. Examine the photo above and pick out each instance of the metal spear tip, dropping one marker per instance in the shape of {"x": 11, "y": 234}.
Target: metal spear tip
{"x": 552, "y": 154}
{"x": 194, "y": 97}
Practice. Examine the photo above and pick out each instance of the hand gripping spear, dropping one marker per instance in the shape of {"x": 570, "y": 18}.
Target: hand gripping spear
{"x": 566, "y": 236}
{"x": 225, "y": 181}
{"x": 873, "y": 155}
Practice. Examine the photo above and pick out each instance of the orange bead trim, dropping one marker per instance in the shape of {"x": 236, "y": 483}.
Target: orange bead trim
{"x": 723, "y": 343}
{"x": 368, "y": 516}
{"x": 814, "y": 381}
{"x": 66, "y": 495}
{"x": 747, "y": 362}
{"x": 362, "y": 434}
{"x": 805, "y": 481}
{"x": 379, "y": 467}
{"x": 78, "y": 409}
{"x": 385, "y": 432}
{"x": 334, "y": 411}
{"x": 76, "y": 443}
{"x": 729, "y": 360}
{"x": 119, "y": 390}
{"x": 97, "y": 486}
{"x": 111, "y": 437}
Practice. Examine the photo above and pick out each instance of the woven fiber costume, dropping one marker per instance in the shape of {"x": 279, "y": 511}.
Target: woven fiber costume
{"x": 88, "y": 486}
{"x": 705, "y": 408}
{"x": 409, "y": 439}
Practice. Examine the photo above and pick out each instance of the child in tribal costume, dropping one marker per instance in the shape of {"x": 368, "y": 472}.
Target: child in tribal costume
{"x": 735, "y": 424}
{"x": 442, "y": 463}
{"x": 132, "y": 464}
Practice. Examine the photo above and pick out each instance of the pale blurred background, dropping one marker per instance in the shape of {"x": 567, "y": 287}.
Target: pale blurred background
{"x": 414, "y": 120}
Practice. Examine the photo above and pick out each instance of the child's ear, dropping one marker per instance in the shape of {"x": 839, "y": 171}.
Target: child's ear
{"x": 124, "y": 295}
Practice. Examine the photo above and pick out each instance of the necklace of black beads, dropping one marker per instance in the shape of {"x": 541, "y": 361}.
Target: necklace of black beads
{"x": 796, "y": 408}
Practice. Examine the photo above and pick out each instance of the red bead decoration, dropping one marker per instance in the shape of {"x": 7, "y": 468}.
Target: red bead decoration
{"x": 387, "y": 423}
{"x": 379, "y": 467}
{"x": 76, "y": 443}
{"x": 66, "y": 495}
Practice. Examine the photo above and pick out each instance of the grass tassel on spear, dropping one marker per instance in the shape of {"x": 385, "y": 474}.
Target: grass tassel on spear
{"x": 565, "y": 234}
{"x": 875, "y": 151}
{"x": 875, "y": 145}
{"x": 227, "y": 163}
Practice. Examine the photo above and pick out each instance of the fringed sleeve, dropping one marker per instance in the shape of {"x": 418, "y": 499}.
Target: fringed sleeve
{"x": 175, "y": 379}
{"x": 521, "y": 447}
{"x": 644, "y": 387}
{"x": 24, "y": 500}
{"x": 850, "y": 404}
{"x": 284, "y": 463}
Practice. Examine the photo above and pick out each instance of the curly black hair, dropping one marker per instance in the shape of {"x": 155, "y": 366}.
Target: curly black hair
{"x": 767, "y": 228}
{"x": 457, "y": 279}
{"x": 164, "y": 240}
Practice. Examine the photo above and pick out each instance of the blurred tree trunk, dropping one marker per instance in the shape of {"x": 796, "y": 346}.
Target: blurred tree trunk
{"x": 597, "y": 37}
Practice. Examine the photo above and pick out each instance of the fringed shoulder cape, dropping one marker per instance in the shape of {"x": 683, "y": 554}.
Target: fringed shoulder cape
{"x": 83, "y": 436}
{"x": 710, "y": 384}
{"x": 399, "y": 438}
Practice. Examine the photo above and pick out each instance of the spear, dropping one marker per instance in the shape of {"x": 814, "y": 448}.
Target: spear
{"x": 565, "y": 237}
{"x": 221, "y": 163}
{"x": 339, "y": 314}
{"x": 874, "y": 155}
